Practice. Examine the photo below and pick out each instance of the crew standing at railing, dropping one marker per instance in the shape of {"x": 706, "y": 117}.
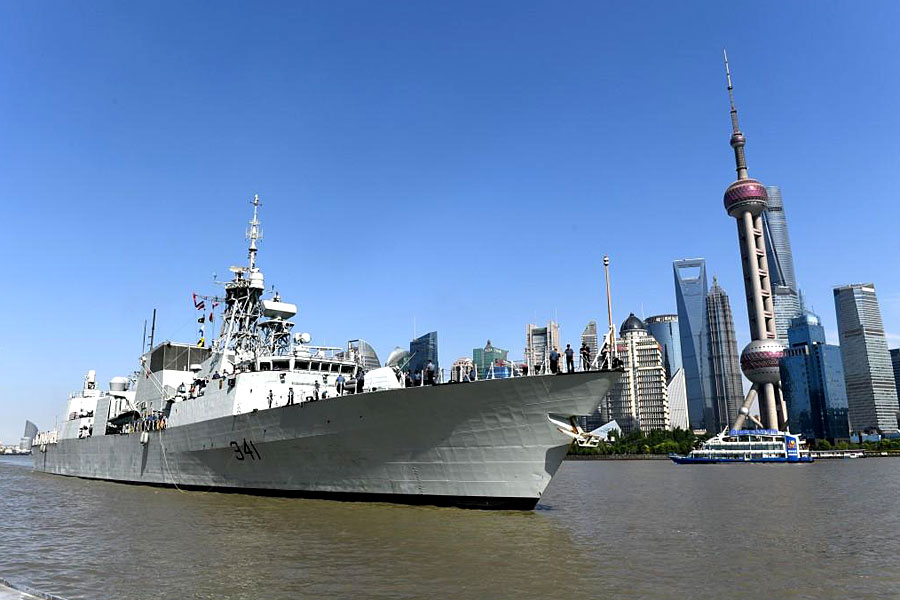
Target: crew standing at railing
{"x": 570, "y": 359}
{"x": 554, "y": 361}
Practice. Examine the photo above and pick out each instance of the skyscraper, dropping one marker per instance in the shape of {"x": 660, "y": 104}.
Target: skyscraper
{"x": 785, "y": 294}
{"x": 664, "y": 329}
{"x": 678, "y": 410}
{"x": 539, "y": 341}
{"x": 365, "y": 353}
{"x": 690, "y": 297}
{"x": 895, "y": 363}
{"x": 812, "y": 376}
{"x": 423, "y": 349}
{"x": 484, "y": 358}
{"x": 868, "y": 374}
{"x": 589, "y": 338}
{"x": 640, "y": 398}
{"x": 725, "y": 372}
{"x": 745, "y": 200}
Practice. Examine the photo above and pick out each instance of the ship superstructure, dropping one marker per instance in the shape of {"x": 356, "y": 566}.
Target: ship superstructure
{"x": 264, "y": 410}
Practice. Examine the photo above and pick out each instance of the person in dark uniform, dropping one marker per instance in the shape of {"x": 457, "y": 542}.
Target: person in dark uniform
{"x": 570, "y": 359}
{"x": 554, "y": 361}
{"x": 585, "y": 356}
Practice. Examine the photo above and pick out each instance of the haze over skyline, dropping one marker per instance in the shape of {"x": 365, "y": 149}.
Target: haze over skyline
{"x": 465, "y": 166}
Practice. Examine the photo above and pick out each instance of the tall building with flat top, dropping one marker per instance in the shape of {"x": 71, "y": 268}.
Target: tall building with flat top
{"x": 589, "y": 339}
{"x": 539, "y": 342}
{"x": 422, "y": 350}
{"x": 725, "y": 370}
{"x": 690, "y": 296}
{"x": 895, "y": 363}
{"x": 871, "y": 391}
{"x": 640, "y": 399}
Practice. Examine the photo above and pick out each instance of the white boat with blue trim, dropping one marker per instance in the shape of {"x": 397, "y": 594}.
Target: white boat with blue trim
{"x": 748, "y": 446}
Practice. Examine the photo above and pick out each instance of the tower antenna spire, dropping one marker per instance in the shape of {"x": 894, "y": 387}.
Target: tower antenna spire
{"x": 737, "y": 138}
{"x": 734, "y": 116}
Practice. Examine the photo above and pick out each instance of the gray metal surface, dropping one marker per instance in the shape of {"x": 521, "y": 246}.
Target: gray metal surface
{"x": 488, "y": 439}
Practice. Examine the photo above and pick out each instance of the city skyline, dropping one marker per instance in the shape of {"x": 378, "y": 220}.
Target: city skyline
{"x": 133, "y": 177}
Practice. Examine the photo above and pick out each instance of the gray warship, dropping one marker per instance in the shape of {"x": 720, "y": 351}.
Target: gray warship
{"x": 263, "y": 411}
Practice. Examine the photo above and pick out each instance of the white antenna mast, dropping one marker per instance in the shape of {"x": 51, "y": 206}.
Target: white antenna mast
{"x": 254, "y": 233}
{"x": 612, "y": 328}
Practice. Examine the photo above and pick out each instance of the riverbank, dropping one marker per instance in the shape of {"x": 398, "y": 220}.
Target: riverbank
{"x": 617, "y": 457}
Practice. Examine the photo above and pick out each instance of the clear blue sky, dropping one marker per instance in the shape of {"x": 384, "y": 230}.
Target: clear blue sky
{"x": 466, "y": 164}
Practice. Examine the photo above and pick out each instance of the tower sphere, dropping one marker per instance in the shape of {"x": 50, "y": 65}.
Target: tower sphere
{"x": 759, "y": 361}
{"x": 745, "y": 194}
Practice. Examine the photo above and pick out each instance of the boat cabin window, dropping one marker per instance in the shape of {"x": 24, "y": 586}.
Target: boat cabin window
{"x": 301, "y": 365}
{"x": 265, "y": 366}
{"x": 280, "y": 365}
{"x": 347, "y": 369}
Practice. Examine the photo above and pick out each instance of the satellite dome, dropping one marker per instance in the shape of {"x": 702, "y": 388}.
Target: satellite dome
{"x": 632, "y": 323}
{"x": 745, "y": 194}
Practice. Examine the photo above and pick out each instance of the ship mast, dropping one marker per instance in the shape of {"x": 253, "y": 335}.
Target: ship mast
{"x": 243, "y": 307}
{"x": 254, "y": 233}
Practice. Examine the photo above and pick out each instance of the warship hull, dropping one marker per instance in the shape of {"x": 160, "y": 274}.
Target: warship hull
{"x": 486, "y": 444}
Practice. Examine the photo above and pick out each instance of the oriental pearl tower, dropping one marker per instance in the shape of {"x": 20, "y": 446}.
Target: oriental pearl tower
{"x": 745, "y": 200}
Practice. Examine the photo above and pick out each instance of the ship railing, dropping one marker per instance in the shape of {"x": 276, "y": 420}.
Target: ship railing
{"x": 326, "y": 352}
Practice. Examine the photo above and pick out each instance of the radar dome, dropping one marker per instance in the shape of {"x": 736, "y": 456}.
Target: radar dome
{"x": 118, "y": 384}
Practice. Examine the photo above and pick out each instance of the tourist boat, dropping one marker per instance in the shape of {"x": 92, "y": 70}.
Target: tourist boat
{"x": 748, "y": 446}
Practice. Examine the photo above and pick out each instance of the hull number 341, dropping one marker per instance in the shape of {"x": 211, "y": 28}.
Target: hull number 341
{"x": 245, "y": 450}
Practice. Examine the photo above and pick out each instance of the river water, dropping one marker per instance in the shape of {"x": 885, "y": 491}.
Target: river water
{"x": 614, "y": 529}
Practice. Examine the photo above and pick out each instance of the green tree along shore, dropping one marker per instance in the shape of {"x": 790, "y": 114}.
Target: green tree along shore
{"x": 883, "y": 445}
{"x": 679, "y": 441}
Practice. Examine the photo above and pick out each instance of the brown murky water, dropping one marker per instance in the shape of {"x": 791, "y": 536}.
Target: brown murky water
{"x": 623, "y": 529}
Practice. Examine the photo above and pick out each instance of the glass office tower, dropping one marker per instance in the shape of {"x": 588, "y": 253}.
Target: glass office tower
{"x": 484, "y": 358}
{"x": 785, "y": 294}
{"x": 421, "y": 350}
{"x": 895, "y": 363}
{"x": 868, "y": 374}
{"x": 664, "y": 329}
{"x": 812, "y": 379}
{"x": 690, "y": 296}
